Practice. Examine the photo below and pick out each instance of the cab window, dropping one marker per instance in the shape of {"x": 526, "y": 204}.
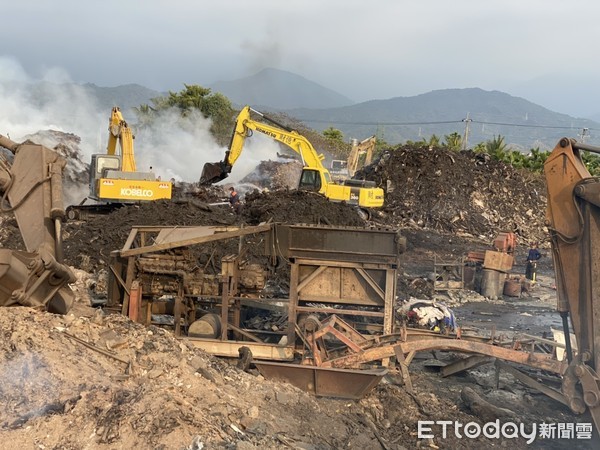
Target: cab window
{"x": 310, "y": 180}
{"x": 107, "y": 163}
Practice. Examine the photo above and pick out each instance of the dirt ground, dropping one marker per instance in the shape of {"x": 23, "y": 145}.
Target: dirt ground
{"x": 142, "y": 388}
{"x": 91, "y": 380}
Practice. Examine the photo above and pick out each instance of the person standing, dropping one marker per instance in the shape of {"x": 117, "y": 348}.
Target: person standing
{"x": 234, "y": 200}
{"x": 533, "y": 257}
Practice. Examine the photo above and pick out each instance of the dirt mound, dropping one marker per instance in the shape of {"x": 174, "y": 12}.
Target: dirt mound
{"x": 86, "y": 244}
{"x": 275, "y": 175}
{"x": 94, "y": 381}
{"x": 138, "y": 388}
{"x": 459, "y": 192}
{"x": 287, "y": 206}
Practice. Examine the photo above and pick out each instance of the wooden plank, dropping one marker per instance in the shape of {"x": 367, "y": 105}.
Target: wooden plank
{"x": 372, "y": 283}
{"x": 128, "y": 280}
{"x": 135, "y": 301}
{"x": 311, "y": 277}
{"x": 130, "y": 239}
{"x": 195, "y": 241}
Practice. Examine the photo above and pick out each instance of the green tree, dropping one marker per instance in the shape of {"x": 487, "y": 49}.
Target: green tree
{"x": 145, "y": 114}
{"x": 193, "y": 98}
{"x": 535, "y": 160}
{"x": 333, "y": 134}
{"x": 433, "y": 142}
{"x": 497, "y": 148}
{"x": 480, "y": 148}
{"x": 453, "y": 141}
{"x": 592, "y": 162}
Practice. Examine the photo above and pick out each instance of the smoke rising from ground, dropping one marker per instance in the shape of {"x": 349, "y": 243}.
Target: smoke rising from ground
{"x": 174, "y": 147}
{"x": 178, "y": 148}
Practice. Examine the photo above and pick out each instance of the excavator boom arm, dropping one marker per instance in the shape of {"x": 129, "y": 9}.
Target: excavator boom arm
{"x": 120, "y": 135}
{"x": 573, "y": 217}
{"x": 366, "y": 146}
{"x": 244, "y": 125}
{"x": 315, "y": 177}
{"x": 291, "y": 138}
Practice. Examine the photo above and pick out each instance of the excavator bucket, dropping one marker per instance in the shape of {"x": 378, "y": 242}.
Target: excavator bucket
{"x": 32, "y": 184}
{"x": 213, "y": 173}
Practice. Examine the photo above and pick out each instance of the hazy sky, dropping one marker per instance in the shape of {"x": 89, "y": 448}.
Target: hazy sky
{"x": 537, "y": 49}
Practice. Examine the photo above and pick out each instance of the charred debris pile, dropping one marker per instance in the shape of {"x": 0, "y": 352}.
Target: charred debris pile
{"x": 458, "y": 192}
{"x": 93, "y": 240}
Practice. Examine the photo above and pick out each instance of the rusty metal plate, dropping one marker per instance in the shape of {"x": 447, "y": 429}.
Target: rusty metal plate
{"x": 321, "y": 381}
{"x": 352, "y": 244}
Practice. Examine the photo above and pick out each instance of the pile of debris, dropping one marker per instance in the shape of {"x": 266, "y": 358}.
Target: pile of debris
{"x": 275, "y": 175}
{"x": 459, "y": 192}
{"x": 106, "y": 382}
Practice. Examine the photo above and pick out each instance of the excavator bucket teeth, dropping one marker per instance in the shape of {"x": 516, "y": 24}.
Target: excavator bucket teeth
{"x": 212, "y": 173}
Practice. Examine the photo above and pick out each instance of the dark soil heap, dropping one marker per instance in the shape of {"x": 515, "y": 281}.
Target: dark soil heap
{"x": 459, "y": 192}
{"x": 92, "y": 241}
{"x": 298, "y": 207}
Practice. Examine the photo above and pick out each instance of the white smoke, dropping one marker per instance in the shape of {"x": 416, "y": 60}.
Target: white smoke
{"x": 178, "y": 148}
{"x": 174, "y": 147}
{"x": 28, "y": 105}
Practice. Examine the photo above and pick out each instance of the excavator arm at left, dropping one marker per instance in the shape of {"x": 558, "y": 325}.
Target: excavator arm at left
{"x": 31, "y": 189}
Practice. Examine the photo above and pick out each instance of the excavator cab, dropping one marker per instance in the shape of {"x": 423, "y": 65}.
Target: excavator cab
{"x": 99, "y": 167}
{"x": 310, "y": 180}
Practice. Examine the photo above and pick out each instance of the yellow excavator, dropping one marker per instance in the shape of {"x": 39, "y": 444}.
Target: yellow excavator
{"x": 114, "y": 179}
{"x": 315, "y": 177}
{"x": 364, "y": 147}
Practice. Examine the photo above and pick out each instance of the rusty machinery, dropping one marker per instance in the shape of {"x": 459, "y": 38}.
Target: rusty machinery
{"x": 349, "y": 270}
{"x": 31, "y": 188}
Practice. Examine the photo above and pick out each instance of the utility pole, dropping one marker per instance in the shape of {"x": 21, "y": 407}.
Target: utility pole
{"x": 467, "y": 121}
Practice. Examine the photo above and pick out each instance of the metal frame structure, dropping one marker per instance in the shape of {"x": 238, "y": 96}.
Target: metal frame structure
{"x": 347, "y": 270}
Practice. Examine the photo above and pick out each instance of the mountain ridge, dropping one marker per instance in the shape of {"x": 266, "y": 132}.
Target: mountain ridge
{"x": 280, "y": 89}
{"x": 522, "y": 124}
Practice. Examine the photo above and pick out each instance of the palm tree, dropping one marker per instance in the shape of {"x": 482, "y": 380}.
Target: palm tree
{"x": 433, "y": 142}
{"x": 497, "y": 148}
{"x": 453, "y": 141}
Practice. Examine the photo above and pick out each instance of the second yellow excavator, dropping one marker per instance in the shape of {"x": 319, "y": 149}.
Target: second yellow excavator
{"x": 114, "y": 179}
{"x": 315, "y": 177}
{"x": 364, "y": 147}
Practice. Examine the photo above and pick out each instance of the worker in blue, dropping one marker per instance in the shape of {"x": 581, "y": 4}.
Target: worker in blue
{"x": 533, "y": 257}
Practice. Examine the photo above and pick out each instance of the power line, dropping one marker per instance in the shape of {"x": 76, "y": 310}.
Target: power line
{"x": 380, "y": 123}
{"x": 522, "y": 125}
{"x": 506, "y": 124}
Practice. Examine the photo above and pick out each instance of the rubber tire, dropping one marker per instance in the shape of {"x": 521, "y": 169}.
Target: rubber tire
{"x": 72, "y": 214}
{"x": 363, "y": 213}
